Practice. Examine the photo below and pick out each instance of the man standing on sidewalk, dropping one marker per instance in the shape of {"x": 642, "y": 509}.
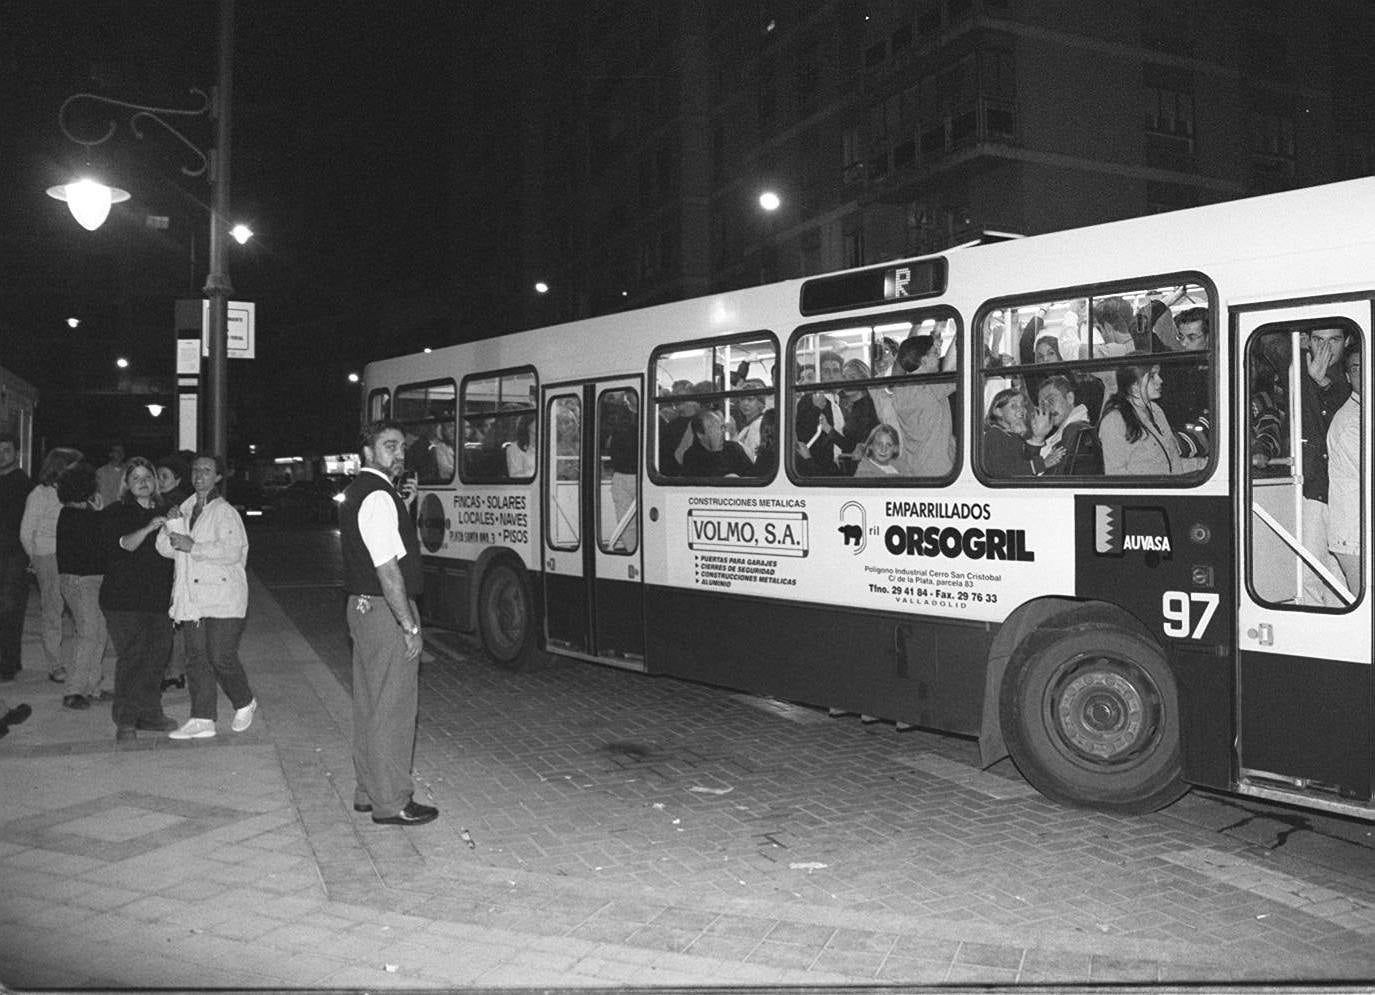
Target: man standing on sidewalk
{"x": 383, "y": 579}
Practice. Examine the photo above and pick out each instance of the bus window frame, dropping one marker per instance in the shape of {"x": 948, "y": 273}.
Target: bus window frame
{"x": 652, "y": 404}
{"x": 534, "y": 409}
{"x": 548, "y": 412}
{"x": 935, "y": 311}
{"x": 1098, "y": 291}
{"x": 433, "y": 382}
{"x": 1301, "y": 326}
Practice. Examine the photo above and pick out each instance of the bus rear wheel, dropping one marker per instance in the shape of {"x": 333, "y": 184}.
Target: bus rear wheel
{"x": 506, "y": 618}
{"x": 1091, "y": 718}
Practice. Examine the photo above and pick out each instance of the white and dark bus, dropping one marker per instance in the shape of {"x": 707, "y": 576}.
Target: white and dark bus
{"x": 1106, "y": 543}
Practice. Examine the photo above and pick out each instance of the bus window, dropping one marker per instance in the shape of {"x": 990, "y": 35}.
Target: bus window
{"x": 876, "y": 401}
{"x": 379, "y": 405}
{"x": 618, "y": 434}
{"x": 499, "y": 434}
{"x": 1117, "y": 384}
{"x": 1307, "y": 543}
{"x": 715, "y": 410}
{"x": 427, "y": 413}
{"x": 564, "y": 514}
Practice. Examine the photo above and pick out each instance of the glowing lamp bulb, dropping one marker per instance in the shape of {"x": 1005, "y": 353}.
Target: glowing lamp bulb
{"x": 88, "y": 201}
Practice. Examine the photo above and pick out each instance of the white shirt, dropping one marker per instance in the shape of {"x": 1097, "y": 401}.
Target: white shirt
{"x": 378, "y": 525}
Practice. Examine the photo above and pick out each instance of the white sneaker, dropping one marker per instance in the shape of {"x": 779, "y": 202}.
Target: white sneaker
{"x": 243, "y": 718}
{"x": 194, "y": 729}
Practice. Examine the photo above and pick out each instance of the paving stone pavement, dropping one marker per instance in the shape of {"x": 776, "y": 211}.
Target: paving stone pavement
{"x": 602, "y": 828}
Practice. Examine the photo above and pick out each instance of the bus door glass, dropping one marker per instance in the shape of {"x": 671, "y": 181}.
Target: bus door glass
{"x": 593, "y": 574}
{"x": 1302, "y": 454}
{"x": 565, "y": 595}
{"x": 618, "y": 582}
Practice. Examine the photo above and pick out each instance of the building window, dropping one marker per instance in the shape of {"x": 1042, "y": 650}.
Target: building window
{"x": 1162, "y": 197}
{"x": 807, "y": 75}
{"x": 852, "y": 244}
{"x": 809, "y": 245}
{"x": 768, "y": 91}
{"x": 851, "y": 156}
{"x": 1170, "y": 113}
{"x": 1271, "y": 140}
{"x": 1169, "y": 120}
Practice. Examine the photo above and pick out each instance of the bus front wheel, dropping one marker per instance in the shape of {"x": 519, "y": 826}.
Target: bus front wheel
{"x": 506, "y": 618}
{"x": 1091, "y": 718}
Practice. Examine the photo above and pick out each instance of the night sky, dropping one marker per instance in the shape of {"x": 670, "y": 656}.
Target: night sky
{"x": 346, "y": 116}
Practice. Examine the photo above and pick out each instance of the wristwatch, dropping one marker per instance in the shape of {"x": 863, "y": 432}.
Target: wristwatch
{"x": 411, "y": 630}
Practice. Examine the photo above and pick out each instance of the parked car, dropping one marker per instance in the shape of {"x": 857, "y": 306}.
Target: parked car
{"x": 313, "y": 502}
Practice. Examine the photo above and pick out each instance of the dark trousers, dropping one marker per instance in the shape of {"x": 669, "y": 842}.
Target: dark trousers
{"x": 14, "y": 598}
{"x": 386, "y": 690}
{"x": 212, "y": 656}
{"x": 142, "y": 641}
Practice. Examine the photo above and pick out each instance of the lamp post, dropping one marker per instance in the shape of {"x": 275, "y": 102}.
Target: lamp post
{"x": 90, "y": 202}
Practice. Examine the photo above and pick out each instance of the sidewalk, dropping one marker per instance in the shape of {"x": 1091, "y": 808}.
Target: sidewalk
{"x": 238, "y": 862}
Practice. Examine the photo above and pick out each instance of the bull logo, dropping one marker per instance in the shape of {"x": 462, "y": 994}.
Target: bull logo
{"x": 853, "y": 528}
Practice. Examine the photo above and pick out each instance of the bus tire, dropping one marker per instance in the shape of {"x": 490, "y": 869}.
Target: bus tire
{"x": 1091, "y": 718}
{"x": 506, "y": 618}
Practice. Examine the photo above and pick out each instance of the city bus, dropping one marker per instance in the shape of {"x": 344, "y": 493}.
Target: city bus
{"x": 1127, "y": 458}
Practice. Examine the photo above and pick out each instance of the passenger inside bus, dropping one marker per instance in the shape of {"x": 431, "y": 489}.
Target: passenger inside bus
{"x": 620, "y": 451}
{"x": 1013, "y": 438}
{"x": 1070, "y": 427}
{"x": 1344, "y": 475}
{"x": 1135, "y": 433}
{"x": 520, "y": 451}
{"x": 882, "y": 454}
{"x": 860, "y": 416}
{"x": 1268, "y": 404}
{"x": 1185, "y": 398}
{"x": 921, "y": 412}
{"x": 711, "y": 454}
{"x": 818, "y": 440}
{"x": 750, "y": 408}
{"x": 1325, "y": 390}
{"x": 669, "y": 437}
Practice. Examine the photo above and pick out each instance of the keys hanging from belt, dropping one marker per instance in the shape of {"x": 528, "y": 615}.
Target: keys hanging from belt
{"x": 363, "y": 605}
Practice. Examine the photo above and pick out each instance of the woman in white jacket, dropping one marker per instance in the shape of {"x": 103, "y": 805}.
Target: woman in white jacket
{"x": 207, "y": 541}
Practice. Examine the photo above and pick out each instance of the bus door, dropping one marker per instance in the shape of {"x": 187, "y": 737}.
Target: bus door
{"x": 1305, "y": 698}
{"x": 593, "y": 563}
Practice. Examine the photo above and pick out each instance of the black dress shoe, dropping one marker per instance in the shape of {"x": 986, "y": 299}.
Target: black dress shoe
{"x": 164, "y": 724}
{"x": 77, "y": 701}
{"x": 364, "y": 807}
{"x": 414, "y": 814}
{"x": 16, "y": 715}
{"x": 125, "y": 734}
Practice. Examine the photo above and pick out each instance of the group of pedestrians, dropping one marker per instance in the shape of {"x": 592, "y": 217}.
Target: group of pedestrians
{"x": 134, "y": 554}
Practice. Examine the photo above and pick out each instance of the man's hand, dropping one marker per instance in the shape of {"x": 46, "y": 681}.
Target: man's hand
{"x": 413, "y": 644}
{"x": 1321, "y": 352}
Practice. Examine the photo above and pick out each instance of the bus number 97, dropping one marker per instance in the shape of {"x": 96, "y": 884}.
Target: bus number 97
{"x": 1177, "y": 609}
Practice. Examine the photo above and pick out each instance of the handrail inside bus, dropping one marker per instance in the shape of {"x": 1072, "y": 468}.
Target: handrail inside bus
{"x": 1295, "y": 546}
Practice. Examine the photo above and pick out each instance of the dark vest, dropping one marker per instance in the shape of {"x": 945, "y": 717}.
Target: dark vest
{"x": 360, "y": 576}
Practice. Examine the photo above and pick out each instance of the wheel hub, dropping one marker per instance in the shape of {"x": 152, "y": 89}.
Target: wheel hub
{"x": 1102, "y": 715}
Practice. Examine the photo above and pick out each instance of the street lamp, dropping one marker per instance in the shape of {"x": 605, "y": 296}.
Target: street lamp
{"x": 90, "y": 202}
